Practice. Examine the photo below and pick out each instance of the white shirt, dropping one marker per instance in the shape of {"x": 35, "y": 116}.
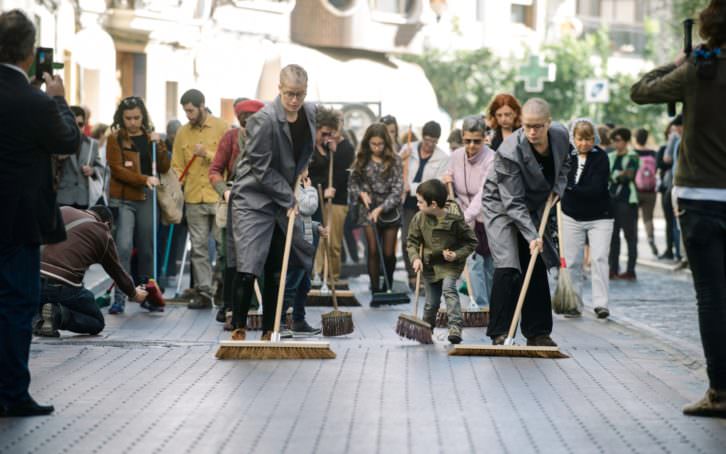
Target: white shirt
{"x": 712, "y": 194}
{"x": 580, "y": 166}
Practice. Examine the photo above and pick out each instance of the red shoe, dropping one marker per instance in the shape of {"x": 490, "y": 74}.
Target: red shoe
{"x": 627, "y": 276}
{"x": 155, "y": 297}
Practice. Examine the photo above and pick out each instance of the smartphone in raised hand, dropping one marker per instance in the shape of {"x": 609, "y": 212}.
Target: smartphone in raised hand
{"x": 43, "y": 62}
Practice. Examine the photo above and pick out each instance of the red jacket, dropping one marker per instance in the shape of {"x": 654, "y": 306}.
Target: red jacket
{"x": 224, "y": 160}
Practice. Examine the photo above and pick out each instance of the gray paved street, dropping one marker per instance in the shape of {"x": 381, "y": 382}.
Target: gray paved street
{"x": 150, "y": 383}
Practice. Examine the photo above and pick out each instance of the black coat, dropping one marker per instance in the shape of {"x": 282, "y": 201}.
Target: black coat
{"x": 32, "y": 127}
{"x": 589, "y": 199}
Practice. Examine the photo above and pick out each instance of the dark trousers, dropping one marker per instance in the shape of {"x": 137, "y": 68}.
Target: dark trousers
{"x": 297, "y": 286}
{"x": 507, "y": 283}
{"x": 626, "y": 219}
{"x": 19, "y": 302}
{"x": 78, "y": 308}
{"x": 245, "y": 283}
{"x": 704, "y": 234}
{"x": 669, "y": 218}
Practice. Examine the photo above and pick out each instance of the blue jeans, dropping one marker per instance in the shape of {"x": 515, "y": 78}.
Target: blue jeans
{"x": 19, "y": 302}
{"x": 704, "y": 233}
{"x": 79, "y": 311}
{"x": 297, "y": 286}
{"x": 481, "y": 270}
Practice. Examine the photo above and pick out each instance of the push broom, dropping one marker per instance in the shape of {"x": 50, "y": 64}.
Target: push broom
{"x": 472, "y": 316}
{"x": 323, "y": 295}
{"x": 410, "y": 326}
{"x": 509, "y": 349}
{"x": 275, "y": 348}
{"x": 566, "y": 300}
{"x": 389, "y": 296}
{"x": 335, "y": 322}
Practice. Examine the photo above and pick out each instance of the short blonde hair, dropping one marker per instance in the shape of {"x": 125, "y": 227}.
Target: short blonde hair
{"x": 294, "y": 74}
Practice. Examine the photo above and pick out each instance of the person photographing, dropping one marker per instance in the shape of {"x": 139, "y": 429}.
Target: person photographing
{"x": 699, "y": 189}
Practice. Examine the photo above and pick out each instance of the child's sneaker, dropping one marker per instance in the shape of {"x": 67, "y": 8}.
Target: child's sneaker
{"x": 117, "y": 307}
{"x": 455, "y": 335}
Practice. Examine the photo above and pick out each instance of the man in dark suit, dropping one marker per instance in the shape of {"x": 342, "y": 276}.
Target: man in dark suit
{"x": 34, "y": 125}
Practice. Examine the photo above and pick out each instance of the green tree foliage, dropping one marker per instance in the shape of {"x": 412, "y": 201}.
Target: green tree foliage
{"x": 464, "y": 81}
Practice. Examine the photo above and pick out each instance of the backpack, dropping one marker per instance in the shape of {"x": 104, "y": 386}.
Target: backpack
{"x": 645, "y": 177}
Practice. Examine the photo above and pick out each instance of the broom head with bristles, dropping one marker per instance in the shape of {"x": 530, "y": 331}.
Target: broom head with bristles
{"x": 522, "y": 351}
{"x": 414, "y": 328}
{"x": 472, "y": 318}
{"x": 475, "y": 318}
{"x": 337, "y": 323}
{"x": 345, "y": 298}
{"x": 274, "y": 350}
{"x": 566, "y": 300}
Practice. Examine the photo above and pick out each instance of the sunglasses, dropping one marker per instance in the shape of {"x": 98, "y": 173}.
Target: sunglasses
{"x": 326, "y": 134}
{"x": 474, "y": 141}
{"x": 132, "y": 101}
{"x": 388, "y": 119}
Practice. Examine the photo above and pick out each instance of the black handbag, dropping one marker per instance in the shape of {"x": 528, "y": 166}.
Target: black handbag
{"x": 389, "y": 218}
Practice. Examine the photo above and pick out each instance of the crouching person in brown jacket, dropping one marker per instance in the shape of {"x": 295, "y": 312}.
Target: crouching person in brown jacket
{"x": 65, "y": 303}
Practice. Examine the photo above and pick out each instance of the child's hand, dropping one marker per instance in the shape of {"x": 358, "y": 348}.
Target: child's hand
{"x": 323, "y": 231}
{"x": 417, "y": 265}
{"x": 449, "y": 255}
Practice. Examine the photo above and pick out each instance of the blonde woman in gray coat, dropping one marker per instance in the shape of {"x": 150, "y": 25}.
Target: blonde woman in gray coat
{"x": 279, "y": 148}
{"x": 530, "y": 165}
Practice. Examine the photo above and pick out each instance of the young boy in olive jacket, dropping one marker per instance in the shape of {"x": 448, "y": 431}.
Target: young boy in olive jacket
{"x": 447, "y": 241}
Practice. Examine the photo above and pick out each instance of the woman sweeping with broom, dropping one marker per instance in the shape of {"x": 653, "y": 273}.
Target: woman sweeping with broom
{"x": 374, "y": 189}
{"x": 530, "y": 169}
{"x": 279, "y": 148}
{"x": 586, "y": 212}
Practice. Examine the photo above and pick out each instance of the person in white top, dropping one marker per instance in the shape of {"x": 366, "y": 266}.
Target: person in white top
{"x": 422, "y": 160}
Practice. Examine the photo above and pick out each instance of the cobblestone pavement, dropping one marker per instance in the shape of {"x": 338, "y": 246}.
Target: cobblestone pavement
{"x": 150, "y": 384}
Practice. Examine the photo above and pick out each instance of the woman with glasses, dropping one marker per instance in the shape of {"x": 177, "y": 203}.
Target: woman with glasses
{"x": 374, "y": 190}
{"x": 504, "y": 116}
{"x": 468, "y": 168}
{"x": 129, "y": 153}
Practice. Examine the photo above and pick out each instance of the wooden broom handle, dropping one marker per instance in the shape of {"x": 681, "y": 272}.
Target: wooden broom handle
{"x": 258, "y": 294}
{"x": 325, "y": 243}
{"x": 285, "y": 260}
{"x": 418, "y": 283}
{"x": 467, "y": 278}
{"x": 330, "y": 168}
{"x": 186, "y": 168}
{"x": 530, "y": 269}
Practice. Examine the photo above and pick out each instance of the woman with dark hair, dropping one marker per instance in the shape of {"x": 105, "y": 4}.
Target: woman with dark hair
{"x": 504, "y": 116}
{"x": 129, "y": 154}
{"x": 392, "y": 128}
{"x": 374, "y": 190}
{"x": 699, "y": 189}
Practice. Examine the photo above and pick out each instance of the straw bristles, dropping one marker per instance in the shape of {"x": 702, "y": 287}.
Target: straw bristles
{"x": 472, "y": 318}
{"x": 414, "y": 328}
{"x": 507, "y": 350}
{"x": 345, "y": 298}
{"x": 274, "y": 350}
{"x": 566, "y": 300}
{"x": 337, "y": 323}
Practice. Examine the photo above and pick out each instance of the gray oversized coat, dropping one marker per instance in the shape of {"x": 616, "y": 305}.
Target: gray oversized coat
{"x": 515, "y": 193}
{"x": 263, "y": 189}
